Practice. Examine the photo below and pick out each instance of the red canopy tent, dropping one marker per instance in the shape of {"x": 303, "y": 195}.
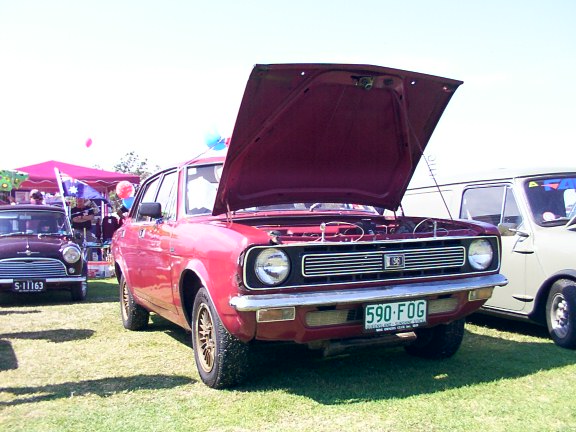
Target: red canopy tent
{"x": 42, "y": 177}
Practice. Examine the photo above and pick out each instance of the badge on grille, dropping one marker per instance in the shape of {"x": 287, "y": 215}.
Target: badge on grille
{"x": 392, "y": 262}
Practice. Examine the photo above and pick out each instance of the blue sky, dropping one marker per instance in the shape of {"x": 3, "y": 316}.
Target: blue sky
{"x": 154, "y": 77}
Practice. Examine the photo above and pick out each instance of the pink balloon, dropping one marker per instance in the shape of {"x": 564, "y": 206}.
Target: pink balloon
{"x": 88, "y": 142}
{"x": 124, "y": 189}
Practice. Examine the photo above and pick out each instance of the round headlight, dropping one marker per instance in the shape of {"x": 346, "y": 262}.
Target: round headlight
{"x": 71, "y": 254}
{"x": 272, "y": 266}
{"x": 480, "y": 254}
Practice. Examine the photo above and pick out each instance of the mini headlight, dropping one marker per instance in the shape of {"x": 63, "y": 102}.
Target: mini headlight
{"x": 480, "y": 254}
{"x": 272, "y": 266}
{"x": 71, "y": 254}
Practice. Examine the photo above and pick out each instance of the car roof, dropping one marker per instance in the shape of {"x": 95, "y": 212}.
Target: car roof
{"x": 495, "y": 174}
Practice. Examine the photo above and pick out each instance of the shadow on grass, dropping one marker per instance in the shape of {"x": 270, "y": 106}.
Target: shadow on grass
{"x": 381, "y": 373}
{"x": 509, "y": 325}
{"x": 8, "y": 359}
{"x": 99, "y": 291}
{"x": 102, "y": 387}
{"x": 56, "y": 336}
{"x": 19, "y": 312}
{"x": 387, "y": 373}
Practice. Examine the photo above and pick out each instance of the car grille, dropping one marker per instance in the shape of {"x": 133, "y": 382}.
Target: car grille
{"x": 31, "y": 268}
{"x": 340, "y": 264}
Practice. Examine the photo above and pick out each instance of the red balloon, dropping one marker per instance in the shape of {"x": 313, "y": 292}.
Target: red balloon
{"x": 88, "y": 142}
{"x": 124, "y": 189}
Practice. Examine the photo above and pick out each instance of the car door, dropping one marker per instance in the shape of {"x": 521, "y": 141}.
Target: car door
{"x": 154, "y": 245}
{"x": 128, "y": 241}
{"x": 497, "y": 204}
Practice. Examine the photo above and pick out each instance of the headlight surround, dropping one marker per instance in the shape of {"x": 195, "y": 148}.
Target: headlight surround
{"x": 71, "y": 254}
{"x": 480, "y": 254}
{"x": 272, "y": 266}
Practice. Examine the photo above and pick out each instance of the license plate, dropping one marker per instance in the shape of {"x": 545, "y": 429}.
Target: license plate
{"x": 395, "y": 316}
{"x": 29, "y": 285}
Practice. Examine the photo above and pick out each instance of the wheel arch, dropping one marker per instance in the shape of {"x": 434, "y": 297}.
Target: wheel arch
{"x": 539, "y": 312}
{"x": 190, "y": 284}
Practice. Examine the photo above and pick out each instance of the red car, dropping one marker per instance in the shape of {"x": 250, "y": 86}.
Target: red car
{"x": 280, "y": 239}
{"x": 38, "y": 251}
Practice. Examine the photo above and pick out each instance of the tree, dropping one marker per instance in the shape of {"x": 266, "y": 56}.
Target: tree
{"x": 131, "y": 163}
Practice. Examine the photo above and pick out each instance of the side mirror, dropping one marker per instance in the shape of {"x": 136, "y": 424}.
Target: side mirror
{"x": 151, "y": 209}
{"x": 508, "y": 230}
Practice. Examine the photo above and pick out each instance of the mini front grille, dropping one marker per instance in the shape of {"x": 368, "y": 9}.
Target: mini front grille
{"x": 26, "y": 268}
{"x": 340, "y": 264}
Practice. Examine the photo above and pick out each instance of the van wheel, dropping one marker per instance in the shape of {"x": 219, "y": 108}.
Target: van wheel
{"x": 561, "y": 313}
{"x": 438, "y": 342}
{"x": 221, "y": 359}
{"x": 134, "y": 316}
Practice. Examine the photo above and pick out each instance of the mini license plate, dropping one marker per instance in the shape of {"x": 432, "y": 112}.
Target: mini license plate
{"x": 29, "y": 285}
{"x": 395, "y": 316}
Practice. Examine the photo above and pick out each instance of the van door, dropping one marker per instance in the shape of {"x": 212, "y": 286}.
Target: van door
{"x": 496, "y": 204}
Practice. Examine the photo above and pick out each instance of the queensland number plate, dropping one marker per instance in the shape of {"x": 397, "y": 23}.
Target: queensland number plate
{"x": 395, "y": 316}
{"x": 29, "y": 285}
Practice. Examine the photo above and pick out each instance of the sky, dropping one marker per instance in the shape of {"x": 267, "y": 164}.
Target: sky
{"x": 154, "y": 77}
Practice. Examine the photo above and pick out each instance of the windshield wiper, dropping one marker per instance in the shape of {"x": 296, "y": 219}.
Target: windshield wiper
{"x": 13, "y": 234}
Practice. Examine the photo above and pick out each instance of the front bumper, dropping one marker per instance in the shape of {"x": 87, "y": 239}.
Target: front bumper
{"x": 251, "y": 302}
{"x": 50, "y": 280}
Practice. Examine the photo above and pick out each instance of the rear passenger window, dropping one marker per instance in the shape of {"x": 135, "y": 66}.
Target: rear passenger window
{"x": 492, "y": 204}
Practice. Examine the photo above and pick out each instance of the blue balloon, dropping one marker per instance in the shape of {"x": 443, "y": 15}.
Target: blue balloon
{"x": 128, "y": 202}
{"x": 215, "y": 141}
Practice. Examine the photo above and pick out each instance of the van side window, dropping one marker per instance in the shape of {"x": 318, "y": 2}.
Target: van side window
{"x": 491, "y": 204}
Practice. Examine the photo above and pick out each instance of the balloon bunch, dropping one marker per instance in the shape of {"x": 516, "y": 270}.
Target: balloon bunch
{"x": 125, "y": 191}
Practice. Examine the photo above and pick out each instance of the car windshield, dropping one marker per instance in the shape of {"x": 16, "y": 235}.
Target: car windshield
{"x": 202, "y": 185}
{"x": 552, "y": 200}
{"x": 35, "y": 222}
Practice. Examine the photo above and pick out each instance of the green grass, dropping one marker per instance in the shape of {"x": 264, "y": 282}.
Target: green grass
{"x": 72, "y": 367}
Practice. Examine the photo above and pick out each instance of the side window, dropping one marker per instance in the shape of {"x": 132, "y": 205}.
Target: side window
{"x": 149, "y": 195}
{"x": 491, "y": 204}
{"x": 167, "y": 195}
{"x": 511, "y": 214}
{"x": 201, "y": 188}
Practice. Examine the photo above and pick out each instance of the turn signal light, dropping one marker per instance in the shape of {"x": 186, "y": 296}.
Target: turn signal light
{"x": 277, "y": 314}
{"x": 480, "y": 294}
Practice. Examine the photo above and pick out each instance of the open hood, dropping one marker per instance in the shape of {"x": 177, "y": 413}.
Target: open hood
{"x": 329, "y": 133}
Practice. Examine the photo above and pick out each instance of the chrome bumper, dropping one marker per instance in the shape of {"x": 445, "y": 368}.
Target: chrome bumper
{"x": 247, "y": 303}
{"x": 48, "y": 280}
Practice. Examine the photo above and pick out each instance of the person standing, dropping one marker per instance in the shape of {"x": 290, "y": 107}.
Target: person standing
{"x": 82, "y": 216}
{"x": 36, "y": 197}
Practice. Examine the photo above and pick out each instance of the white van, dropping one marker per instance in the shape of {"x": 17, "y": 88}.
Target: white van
{"x": 535, "y": 211}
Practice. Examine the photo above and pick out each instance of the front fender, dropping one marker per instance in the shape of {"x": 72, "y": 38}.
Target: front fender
{"x": 221, "y": 290}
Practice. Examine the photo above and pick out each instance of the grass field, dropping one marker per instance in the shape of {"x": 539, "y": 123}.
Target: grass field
{"x": 72, "y": 367}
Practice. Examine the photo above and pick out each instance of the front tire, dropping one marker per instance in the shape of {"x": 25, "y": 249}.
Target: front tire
{"x": 438, "y": 342}
{"x": 134, "y": 316}
{"x": 78, "y": 291}
{"x": 221, "y": 359}
{"x": 561, "y": 313}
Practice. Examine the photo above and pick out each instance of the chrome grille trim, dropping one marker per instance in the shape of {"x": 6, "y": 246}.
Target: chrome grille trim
{"x": 339, "y": 264}
{"x": 26, "y": 268}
